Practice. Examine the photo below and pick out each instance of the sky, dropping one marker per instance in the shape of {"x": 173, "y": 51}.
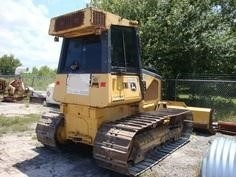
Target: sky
{"x": 24, "y": 29}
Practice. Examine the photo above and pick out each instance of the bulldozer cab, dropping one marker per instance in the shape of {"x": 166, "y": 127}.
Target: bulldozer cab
{"x": 99, "y": 64}
{"x": 113, "y": 51}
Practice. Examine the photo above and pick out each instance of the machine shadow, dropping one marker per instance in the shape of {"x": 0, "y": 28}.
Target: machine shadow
{"x": 71, "y": 160}
{"x": 202, "y": 132}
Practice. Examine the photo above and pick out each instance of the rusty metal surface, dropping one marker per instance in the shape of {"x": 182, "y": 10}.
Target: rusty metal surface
{"x": 99, "y": 18}
{"x": 3, "y": 84}
{"x": 227, "y": 127}
{"x": 69, "y": 21}
{"x": 46, "y": 128}
{"x": 8, "y": 98}
{"x": 116, "y": 143}
{"x": 221, "y": 159}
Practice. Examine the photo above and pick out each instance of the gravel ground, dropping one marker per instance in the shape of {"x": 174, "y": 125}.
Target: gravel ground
{"x": 22, "y": 155}
{"x": 16, "y": 109}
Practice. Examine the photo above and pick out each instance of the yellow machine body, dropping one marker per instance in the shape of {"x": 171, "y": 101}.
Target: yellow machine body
{"x": 86, "y": 109}
{"x": 88, "y": 100}
{"x": 202, "y": 117}
{"x": 107, "y": 99}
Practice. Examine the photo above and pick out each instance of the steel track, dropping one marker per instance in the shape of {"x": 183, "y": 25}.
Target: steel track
{"x": 114, "y": 140}
{"x": 47, "y": 127}
{"x": 113, "y": 143}
{"x": 156, "y": 155}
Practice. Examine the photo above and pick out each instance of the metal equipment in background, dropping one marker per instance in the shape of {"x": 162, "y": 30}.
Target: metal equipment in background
{"x": 224, "y": 127}
{"x": 15, "y": 89}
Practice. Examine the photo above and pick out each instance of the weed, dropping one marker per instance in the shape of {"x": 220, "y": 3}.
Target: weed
{"x": 225, "y": 108}
{"x": 16, "y": 124}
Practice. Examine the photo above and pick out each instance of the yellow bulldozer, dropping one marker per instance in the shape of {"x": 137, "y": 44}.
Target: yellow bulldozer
{"x": 108, "y": 101}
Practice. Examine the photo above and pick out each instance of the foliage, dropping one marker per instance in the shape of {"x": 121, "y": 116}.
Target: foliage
{"x": 44, "y": 71}
{"x": 183, "y": 36}
{"x": 39, "y": 78}
{"x": 225, "y": 109}
{"x": 8, "y": 64}
{"x": 16, "y": 124}
{"x": 38, "y": 82}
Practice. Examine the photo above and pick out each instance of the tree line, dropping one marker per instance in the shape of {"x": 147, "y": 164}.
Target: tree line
{"x": 8, "y": 64}
{"x": 182, "y": 36}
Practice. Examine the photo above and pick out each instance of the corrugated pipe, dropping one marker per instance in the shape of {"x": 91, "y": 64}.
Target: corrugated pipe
{"x": 220, "y": 160}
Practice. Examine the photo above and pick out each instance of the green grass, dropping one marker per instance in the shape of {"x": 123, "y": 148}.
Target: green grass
{"x": 225, "y": 108}
{"x": 230, "y": 116}
{"x": 16, "y": 124}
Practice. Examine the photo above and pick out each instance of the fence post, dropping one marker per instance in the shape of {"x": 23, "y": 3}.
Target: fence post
{"x": 32, "y": 83}
{"x": 176, "y": 80}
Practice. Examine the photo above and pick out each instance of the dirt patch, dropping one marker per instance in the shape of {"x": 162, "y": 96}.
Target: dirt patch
{"x": 16, "y": 109}
{"x": 22, "y": 155}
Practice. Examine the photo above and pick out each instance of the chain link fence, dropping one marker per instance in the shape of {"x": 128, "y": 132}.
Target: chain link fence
{"x": 36, "y": 82}
{"x": 214, "y": 91}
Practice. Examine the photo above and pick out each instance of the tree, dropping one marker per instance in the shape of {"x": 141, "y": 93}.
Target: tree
{"x": 8, "y": 64}
{"x": 35, "y": 70}
{"x": 183, "y": 36}
{"x": 44, "y": 71}
{"x": 39, "y": 78}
